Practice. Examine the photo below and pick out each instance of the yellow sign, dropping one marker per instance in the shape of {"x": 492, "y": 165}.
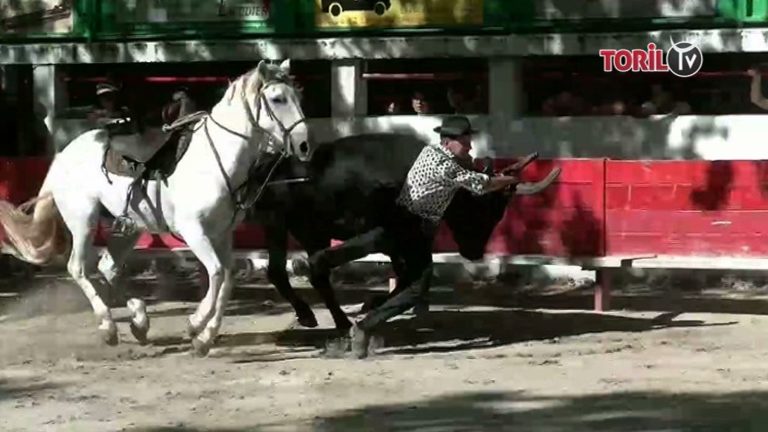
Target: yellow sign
{"x": 398, "y": 13}
{"x": 35, "y": 16}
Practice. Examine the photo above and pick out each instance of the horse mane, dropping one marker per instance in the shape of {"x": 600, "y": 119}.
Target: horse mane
{"x": 249, "y": 84}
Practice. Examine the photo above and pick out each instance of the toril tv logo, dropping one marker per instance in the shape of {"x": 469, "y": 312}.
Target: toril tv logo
{"x": 683, "y": 59}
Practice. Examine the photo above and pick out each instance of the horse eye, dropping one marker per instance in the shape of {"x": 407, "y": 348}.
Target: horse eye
{"x": 278, "y": 99}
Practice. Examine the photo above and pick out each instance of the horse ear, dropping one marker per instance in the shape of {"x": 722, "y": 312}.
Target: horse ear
{"x": 285, "y": 66}
{"x": 262, "y": 67}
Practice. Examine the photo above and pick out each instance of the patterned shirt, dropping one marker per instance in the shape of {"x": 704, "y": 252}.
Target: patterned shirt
{"x": 433, "y": 180}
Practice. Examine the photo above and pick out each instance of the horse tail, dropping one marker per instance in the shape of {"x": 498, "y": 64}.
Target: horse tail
{"x": 37, "y": 237}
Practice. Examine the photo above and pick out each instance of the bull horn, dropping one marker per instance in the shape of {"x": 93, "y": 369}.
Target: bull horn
{"x": 530, "y": 188}
{"x": 522, "y": 163}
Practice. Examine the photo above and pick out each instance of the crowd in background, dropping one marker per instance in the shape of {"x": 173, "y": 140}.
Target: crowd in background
{"x": 549, "y": 86}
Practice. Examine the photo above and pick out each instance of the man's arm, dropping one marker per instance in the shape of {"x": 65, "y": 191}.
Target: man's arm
{"x": 500, "y": 182}
{"x": 479, "y": 183}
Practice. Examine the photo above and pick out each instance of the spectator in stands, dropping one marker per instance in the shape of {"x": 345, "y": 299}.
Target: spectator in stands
{"x": 420, "y": 104}
{"x": 109, "y": 107}
{"x": 756, "y": 91}
{"x": 664, "y": 102}
{"x": 392, "y": 106}
{"x": 460, "y": 99}
{"x": 181, "y": 105}
{"x": 565, "y": 103}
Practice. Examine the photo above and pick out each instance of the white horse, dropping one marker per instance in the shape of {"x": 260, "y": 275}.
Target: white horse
{"x": 260, "y": 112}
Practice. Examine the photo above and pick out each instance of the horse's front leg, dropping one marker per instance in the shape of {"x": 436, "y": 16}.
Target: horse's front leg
{"x": 216, "y": 256}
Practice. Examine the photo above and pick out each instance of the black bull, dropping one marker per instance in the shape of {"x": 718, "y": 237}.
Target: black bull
{"x": 350, "y": 195}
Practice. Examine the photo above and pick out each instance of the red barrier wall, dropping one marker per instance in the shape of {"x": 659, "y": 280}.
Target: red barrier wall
{"x": 565, "y": 220}
{"x": 21, "y": 178}
{"x": 702, "y": 208}
{"x": 597, "y": 207}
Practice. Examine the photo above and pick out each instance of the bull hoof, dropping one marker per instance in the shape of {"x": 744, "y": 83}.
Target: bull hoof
{"x": 140, "y": 333}
{"x": 200, "y": 348}
{"x": 109, "y": 336}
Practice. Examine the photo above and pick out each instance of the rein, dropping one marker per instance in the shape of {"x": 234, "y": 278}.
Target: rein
{"x": 239, "y": 202}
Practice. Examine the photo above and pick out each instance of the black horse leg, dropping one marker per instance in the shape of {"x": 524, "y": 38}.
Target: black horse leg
{"x": 321, "y": 281}
{"x": 323, "y": 261}
{"x": 277, "y": 245}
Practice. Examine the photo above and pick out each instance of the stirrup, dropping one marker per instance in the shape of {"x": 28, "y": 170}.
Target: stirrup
{"x": 123, "y": 225}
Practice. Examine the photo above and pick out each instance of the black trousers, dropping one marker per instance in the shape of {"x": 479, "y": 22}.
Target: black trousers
{"x": 419, "y": 233}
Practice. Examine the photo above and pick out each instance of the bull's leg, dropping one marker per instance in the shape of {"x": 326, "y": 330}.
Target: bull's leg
{"x": 277, "y": 244}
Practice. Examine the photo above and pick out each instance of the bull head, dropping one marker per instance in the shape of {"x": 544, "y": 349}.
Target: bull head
{"x": 529, "y": 188}
{"x": 472, "y": 218}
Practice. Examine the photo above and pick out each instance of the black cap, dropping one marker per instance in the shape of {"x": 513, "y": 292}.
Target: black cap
{"x": 454, "y": 126}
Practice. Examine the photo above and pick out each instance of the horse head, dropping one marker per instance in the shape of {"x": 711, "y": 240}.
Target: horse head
{"x": 270, "y": 103}
{"x": 473, "y": 218}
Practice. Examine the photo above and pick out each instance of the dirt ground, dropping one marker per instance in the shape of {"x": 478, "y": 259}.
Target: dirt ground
{"x": 537, "y": 363}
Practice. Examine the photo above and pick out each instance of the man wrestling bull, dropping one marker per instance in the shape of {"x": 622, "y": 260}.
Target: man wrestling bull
{"x": 432, "y": 181}
{"x": 441, "y": 169}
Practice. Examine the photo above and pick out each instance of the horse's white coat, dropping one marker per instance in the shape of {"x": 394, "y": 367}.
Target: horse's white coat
{"x": 195, "y": 203}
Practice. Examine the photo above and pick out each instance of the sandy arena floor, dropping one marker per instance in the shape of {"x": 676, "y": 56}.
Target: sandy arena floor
{"x": 462, "y": 368}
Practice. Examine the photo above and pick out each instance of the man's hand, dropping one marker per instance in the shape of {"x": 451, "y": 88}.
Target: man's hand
{"x": 501, "y": 182}
{"x": 517, "y": 167}
{"x": 753, "y": 72}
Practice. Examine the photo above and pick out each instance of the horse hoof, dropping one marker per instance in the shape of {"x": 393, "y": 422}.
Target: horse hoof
{"x": 308, "y": 321}
{"x": 344, "y": 328}
{"x": 192, "y": 331}
{"x": 140, "y": 333}
{"x": 201, "y": 349}
{"x": 108, "y": 336}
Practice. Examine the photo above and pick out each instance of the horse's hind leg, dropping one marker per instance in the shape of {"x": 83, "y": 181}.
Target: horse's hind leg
{"x": 81, "y": 226}
{"x": 111, "y": 264}
{"x": 277, "y": 244}
{"x": 322, "y": 262}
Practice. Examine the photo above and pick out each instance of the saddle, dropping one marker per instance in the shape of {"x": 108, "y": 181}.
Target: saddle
{"x": 132, "y": 153}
